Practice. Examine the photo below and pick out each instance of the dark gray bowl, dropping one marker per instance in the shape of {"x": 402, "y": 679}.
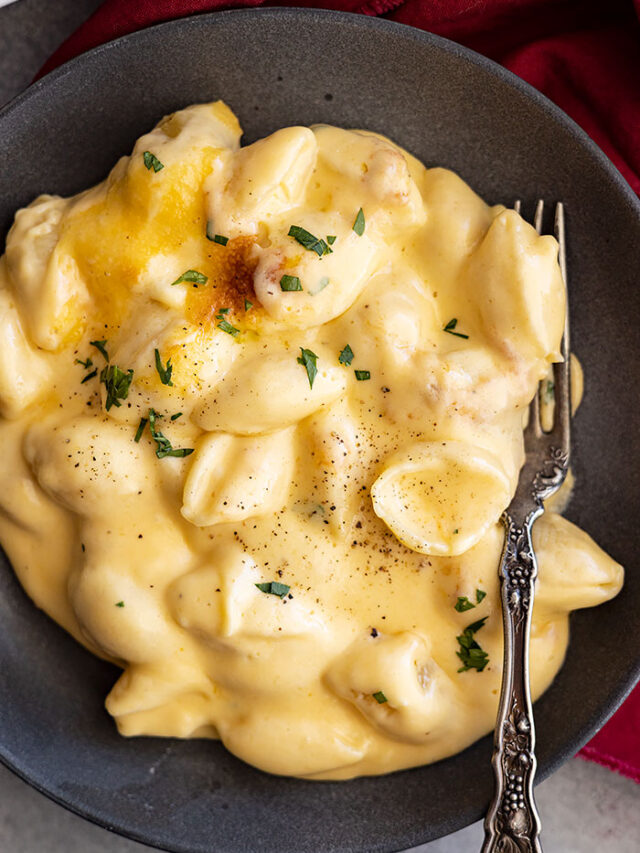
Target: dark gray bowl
{"x": 449, "y": 107}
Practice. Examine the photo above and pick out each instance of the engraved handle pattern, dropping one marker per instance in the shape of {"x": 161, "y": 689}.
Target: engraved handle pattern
{"x": 512, "y": 824}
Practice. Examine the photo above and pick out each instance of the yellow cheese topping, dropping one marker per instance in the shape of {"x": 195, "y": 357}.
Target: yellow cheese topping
{"x": 329, "y": 424}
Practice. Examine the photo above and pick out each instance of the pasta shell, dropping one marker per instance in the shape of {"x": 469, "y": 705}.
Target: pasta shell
{"x": 269, "y": 392}
{"x": 235, "y": 478}
{"x": 441, "y": 497}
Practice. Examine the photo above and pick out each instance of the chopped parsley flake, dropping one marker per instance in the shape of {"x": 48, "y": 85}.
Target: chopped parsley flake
{"x": 463, "y": 602}
{"x": 290, "y": 283}
{"x": 100, "y": 345}
{"x": 117, "y": 383}
{"x": 164, "y": 446}
{"x": 225, "y": 326}
{"x": 176, "y": 416}
{"x": 380, "y": 697}
{"x": 152, "y": 162}
{"x": 358, "y": 225}
{"x": 309, "y": 241}
{"x": 331, "y": 239}
{"x": 247, "y": 305}
{"x": 362, "y": 375}
{"x": 215, "y": 238}
{"x": 164, "y": 372}
{"x": 119, "y": 603}
{"x": 87, "y": 364}
{"x": 471, "y": 654}
{"x": 89, "y": 376}
{"x": 274, "y": 588}
{"x": 192, "y": 276}
{"x": 309, "y": 360}
{"x": 451, "y": 326}
{"x": 140, "y": 430}
{"x": 549, "y": 389}
{"x": 346, "y": 356}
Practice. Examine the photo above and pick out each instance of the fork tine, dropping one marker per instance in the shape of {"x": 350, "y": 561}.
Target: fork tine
{"x": 537, "y": 221}
{"x": 562, "y": 370}
{"x": 534, "y": 428}
{"x": 562, "y": 260}
{"x": 517, "y": 205}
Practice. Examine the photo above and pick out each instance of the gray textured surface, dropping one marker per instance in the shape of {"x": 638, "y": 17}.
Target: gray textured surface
{"x": 29, "y": 33}
{"x": 584, "y": 807}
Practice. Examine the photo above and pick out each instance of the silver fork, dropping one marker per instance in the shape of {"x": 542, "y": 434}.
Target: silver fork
{"x": 512, "y": 824}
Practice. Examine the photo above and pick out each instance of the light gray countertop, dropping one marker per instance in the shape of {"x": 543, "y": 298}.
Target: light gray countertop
{"x": 584, "y": 808}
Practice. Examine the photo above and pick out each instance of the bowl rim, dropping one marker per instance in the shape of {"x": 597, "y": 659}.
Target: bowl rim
{"x": 369, "y": 24}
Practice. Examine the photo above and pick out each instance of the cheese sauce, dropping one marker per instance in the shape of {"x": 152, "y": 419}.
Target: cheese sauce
{"x": 261, "y": 467}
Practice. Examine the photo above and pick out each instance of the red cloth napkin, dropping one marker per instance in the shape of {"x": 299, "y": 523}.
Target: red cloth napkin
{"x": 583, "y": 54}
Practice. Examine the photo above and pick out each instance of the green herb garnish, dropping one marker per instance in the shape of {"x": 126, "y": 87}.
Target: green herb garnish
{"x": 152, "y": 162}
{"x": 362, "y": 375}
{"x": 100, "y": 345}
{"x": 164, "y": 447}
{"x": 89, "y": 376}
{"x": 358, "y": 225}
{"x": 247, "y": 305}
{"x": 380, "y": 697}
{"x": 225, "y": 326}
{"x": 309, "y": 360}
{"x": 192, "y": 276}
{"x": 290, "y": 283}
{"x": 164, "y": 372}
{"x": 87, "y": 364}
{"x": 451, "y": 326}
{"x": 346, "y": 356}
{"x": 471, "y": 654}
{"x": 274, "y": 588}
{"x": 176, "y": 416}
{"x": 549, "y": 390}
{"x": 117, "y": 383}
{"x": 463, "y": 604}
{"x": 331, "y": 239}
{"x": 119, "y": 603}
{"x": 215, "y": 238}
{"x": 140, "y": 430}
{"x": 309, "y": 241}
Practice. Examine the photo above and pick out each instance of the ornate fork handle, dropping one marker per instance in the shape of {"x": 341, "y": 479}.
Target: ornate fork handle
{"x": 512, "y": 824}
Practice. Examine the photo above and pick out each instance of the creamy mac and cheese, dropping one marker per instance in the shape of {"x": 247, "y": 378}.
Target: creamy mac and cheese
{"x": 261, "y": 410}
